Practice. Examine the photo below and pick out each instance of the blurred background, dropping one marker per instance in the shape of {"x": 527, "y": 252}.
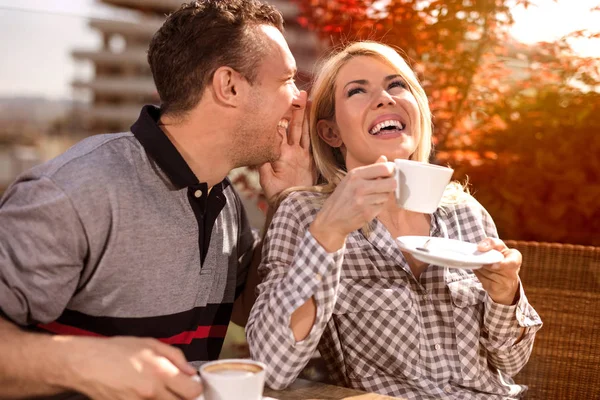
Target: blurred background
{"x": 513, "y": 85}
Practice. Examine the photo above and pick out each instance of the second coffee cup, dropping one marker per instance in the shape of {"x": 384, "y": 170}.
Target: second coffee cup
{"x": 233, "y": 379}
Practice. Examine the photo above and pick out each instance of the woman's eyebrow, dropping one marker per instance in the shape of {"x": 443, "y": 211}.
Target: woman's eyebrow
{"x": 359, "y": 81}
{"x": 365, "y": 82}
{"x": 391, "y": 77}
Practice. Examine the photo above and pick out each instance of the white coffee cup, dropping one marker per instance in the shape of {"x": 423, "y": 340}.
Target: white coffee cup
{"x": 420, "y": 186}
{"x": 233, "y": 379}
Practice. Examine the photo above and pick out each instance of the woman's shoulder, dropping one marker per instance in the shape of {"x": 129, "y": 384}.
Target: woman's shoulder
{"x": 302, "y": 204}
{"x": 467, "y": 213}
{"x": 461, "y": 203}
{"x": 457, "y": 196}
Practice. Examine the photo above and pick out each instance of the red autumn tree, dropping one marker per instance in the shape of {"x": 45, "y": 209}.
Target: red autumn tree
{"x": 521, "y": 121}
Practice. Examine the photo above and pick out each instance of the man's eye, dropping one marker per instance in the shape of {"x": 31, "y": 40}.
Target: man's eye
{"x": 354, "y": 91}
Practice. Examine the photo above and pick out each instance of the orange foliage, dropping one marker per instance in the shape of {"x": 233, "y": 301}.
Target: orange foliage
{"x": 522, "y": 122}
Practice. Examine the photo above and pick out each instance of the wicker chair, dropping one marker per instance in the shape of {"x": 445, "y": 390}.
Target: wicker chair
{"x": 562, "y": 282}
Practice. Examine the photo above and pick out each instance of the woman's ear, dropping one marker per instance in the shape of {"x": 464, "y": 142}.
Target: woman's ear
{"x": 228, "y": 86}
{"x": 329, "y": 132}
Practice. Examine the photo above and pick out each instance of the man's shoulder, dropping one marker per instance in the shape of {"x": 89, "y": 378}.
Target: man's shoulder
{"x": 91, "y": 150}
{"x": 90, "y": 166}
{"x": 91, "y": 158}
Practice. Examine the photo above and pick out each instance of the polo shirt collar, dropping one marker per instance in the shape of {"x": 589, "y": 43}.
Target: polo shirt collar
{"x": 159, "y": 147}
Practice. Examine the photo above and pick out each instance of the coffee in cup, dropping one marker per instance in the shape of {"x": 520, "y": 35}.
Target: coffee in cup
{"x": 233, "y": 379}
{"x": 420, "y": 186}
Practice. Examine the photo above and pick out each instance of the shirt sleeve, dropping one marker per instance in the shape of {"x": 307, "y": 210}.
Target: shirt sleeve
{"x": 503, "y": 326}
{"x": 42, "y": 250}
{"x": 295, "y": 268}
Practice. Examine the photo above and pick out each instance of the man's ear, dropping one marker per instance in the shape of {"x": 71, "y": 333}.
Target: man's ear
{"x": 228, "y": 86}
{"x": 329, "y": 132}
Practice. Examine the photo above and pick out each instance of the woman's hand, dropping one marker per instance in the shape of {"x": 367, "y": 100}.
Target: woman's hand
{"x": 358, "y": 199}
{"x": 295, "y": 166}
{"x": 500, "y": 280}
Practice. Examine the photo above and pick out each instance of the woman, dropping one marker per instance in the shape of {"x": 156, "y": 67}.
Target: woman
{"x": 335, "y": 279}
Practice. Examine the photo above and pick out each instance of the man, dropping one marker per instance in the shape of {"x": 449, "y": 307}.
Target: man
{"x": 140, "y": 233}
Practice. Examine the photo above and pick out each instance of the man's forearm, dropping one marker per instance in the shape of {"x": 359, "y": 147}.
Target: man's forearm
{"x": 31, "y": 364}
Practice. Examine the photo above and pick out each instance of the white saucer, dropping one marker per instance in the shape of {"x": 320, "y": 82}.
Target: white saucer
{"x": 447, "y": 252}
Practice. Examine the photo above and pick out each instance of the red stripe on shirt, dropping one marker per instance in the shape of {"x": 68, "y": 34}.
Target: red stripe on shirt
{"x": 61, "y": 329}
{"x": 202, "y": 332}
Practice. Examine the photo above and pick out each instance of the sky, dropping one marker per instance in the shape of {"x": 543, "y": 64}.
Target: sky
{"x": 38, "y": 36}
{"x": 550, "y": 20}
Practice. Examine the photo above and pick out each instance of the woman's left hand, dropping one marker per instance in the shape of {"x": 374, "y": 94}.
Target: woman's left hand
{"x": 295, "y": 166}
{"x": 500, "y": 280}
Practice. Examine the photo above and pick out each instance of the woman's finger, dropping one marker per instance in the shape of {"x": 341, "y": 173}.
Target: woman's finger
{"x": 490, "y": 243}
{"x": 295, "y": 128}
{"x": 373, "y": 171}
{"x": 305, "y": 138}
{"x": 512, "y": 261}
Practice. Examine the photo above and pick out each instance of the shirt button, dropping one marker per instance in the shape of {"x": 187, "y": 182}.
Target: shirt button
{"x": 198, "y": 193}
{"x": 318, "y": 277}
{"x": 437, "y": 347}
{"x": 448, "y": 389}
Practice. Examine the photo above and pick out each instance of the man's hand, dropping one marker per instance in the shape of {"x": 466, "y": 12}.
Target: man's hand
{"x": 295, "y": 166}
{"x": 500, "y": 280}
{"x": 131, "y": 368}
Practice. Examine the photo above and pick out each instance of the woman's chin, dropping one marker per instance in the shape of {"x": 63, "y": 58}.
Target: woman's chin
{"x": 391, "y": 156}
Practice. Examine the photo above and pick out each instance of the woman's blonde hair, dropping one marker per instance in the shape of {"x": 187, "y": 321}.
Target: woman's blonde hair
{"x": 329, "y": 161}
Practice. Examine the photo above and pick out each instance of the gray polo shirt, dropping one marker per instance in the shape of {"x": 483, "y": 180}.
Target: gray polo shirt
{"x": 118, "y": 237}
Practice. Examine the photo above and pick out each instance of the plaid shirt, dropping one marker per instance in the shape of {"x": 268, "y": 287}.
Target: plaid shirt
{"x": 379, "y": 328}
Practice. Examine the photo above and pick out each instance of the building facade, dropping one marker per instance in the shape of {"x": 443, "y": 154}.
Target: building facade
{"x": 123, "y": 82}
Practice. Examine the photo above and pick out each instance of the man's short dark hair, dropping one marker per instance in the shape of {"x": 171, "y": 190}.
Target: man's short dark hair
{"x": 199, "y": 38}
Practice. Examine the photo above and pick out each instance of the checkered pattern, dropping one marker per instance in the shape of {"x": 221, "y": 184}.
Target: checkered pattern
{"x": 378, "y": 328}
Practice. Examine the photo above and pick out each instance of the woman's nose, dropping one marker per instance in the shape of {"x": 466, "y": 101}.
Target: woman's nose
{"x": 384, "y": 99}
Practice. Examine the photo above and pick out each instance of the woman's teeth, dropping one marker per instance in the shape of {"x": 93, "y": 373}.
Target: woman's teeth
{"x": 391, "y": 125}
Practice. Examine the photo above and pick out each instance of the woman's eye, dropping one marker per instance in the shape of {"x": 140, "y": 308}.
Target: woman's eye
{"x": 398, "y": 83}
{"x": 354, "y": 91}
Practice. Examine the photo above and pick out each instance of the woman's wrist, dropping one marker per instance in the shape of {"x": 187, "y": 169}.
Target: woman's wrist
{"x": 326, "y": 235}
{"x": 508, "y": 299}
